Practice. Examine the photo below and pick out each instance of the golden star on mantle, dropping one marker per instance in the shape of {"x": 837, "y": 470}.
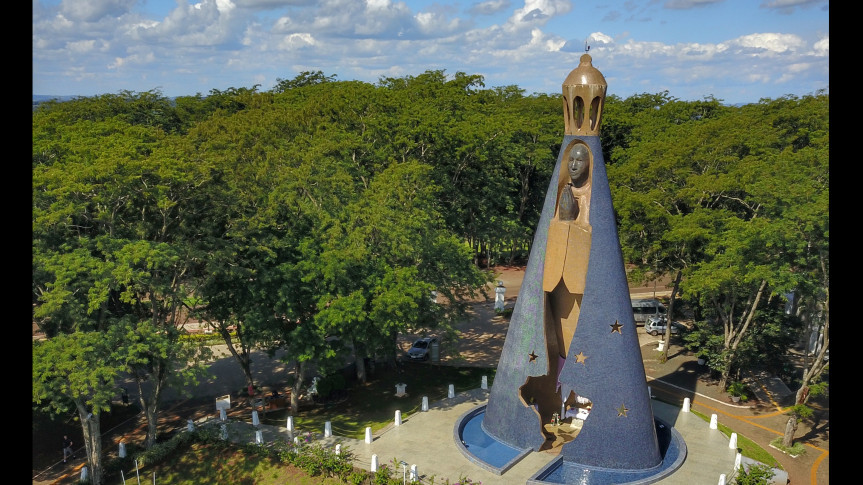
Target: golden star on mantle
{"x": 580, "y": 358}
{"x": 532, "y": 356}
{"x": 621, "y": 411}
{"x": 615, "y": 327}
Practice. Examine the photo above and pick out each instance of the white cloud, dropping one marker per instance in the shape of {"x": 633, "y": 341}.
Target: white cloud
{"x": 599, "y": 39}
{"x": 685, "y": 4}
{"x": 82, "y": 46}
{"x": 270, "y": 4}
{"x": 490, "y": 7}
{"x": 536, "y": 13}
{"x": 787, "y": 4}
{"x": 799, "y": 67}
{"x": 373, "y": 5}
{"x": 530, "y": 43}
{"x": 296, "y": 41}
{"x": 93, "y": 10}
{"x": 134, "y": 59}
{"x": 208, "y": 23}
{"x": 822, "y": 47}
{"x": 772, "y": 43}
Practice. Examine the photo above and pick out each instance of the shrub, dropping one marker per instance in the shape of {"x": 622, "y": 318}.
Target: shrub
{"x": 756, "y": 475}
{"x": 506, "y": 312}
{"x": 738, "y": 389}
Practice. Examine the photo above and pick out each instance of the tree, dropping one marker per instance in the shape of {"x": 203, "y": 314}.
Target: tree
{"x": 116, "y": 214}
{"x": 381, "y": 260}
{"x": 304, "y": 78}
{"x": 78, "y": 368}
{"x": 699, "y": 191}
{"x": 660, "y": 229}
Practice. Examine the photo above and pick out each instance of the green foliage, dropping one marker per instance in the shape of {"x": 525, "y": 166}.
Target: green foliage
{"x": 506, "y": 312}
{"x": 763, "y": 346}
{"x": 74, "y": 372}
{"x": 205, "y": 338}
{"x": 800, "y": 412}
{"x": 383, "y": 476}
{"x": 758, "y": 474}
{"x": 736, "y": 201}
{"x": 738, "y": 389}
{"x": 304, "y": 78}
{"x": 331, "y": 383}
{"x": 160, "y": 451}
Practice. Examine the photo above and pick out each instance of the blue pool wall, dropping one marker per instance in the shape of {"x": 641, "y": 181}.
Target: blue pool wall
{"x": 509, "y": 456}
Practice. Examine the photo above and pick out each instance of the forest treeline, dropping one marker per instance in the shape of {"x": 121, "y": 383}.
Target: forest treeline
{"x": 324, "y": 208}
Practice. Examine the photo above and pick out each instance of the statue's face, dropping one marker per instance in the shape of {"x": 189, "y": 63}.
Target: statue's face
{"x": 578, "y": 162}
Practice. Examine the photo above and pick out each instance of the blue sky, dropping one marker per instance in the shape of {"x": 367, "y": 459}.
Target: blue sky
{"x": 738, "y": 51}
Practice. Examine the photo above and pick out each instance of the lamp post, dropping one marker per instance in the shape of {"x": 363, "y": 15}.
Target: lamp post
{"x": 404, "y": 472}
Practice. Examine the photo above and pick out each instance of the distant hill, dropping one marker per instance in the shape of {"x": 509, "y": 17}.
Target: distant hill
{"x": 39, "y": 98}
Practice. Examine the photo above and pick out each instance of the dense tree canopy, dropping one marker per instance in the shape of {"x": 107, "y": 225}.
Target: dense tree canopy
{"x": 734, "y": 201}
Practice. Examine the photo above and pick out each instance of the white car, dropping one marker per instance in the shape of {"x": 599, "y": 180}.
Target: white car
{"x": 421, "y": 349}
{"x": 656, "y": 326}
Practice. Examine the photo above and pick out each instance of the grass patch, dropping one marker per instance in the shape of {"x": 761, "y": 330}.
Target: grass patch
{"x": 203, "y": 463}
{"x": 796, "y": 449}
{"x": 374, "y": 404}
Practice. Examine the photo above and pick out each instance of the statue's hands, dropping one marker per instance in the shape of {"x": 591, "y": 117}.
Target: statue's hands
{"x": 568, "y": 206}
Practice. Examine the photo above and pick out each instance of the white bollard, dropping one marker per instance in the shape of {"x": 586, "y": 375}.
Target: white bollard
{"x": 296, "y": 440}
{"x": 122, "y": 452}
{"x": 374, "y": 466}
{"x": 328, "y": 429}
{"x": 686, "y": 405}
{"x": 414, "y": 476}
{"x": 451, "y": 393}
{"x": 484, "y": 382}
{"x": 425, "y": 403}
{"x": 732, "y": 443}
{"x": 649, "y": 393}
{"x": 84, "y": 474}
{"x": 661, "y": 345}
{"x": 368, "y": 434}
{"x": 722, "y": 479}
{"x": 398, "y": 420}
{"x": 224, "y": 432}
{"x": 338, "y": 449}
{"x": 190, "y": 425}
{"x": 255, "y": 420}
{"x": 290, "y": 425}
{"x": 259, "y": 437}
{"x": 222, "y": 415}
{"x": 737, "y": 460}
{"x": 713, "y": 421}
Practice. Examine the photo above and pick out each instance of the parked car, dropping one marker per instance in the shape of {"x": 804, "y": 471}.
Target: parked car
{"x": 421, "y": 349}
{"x": 646, "y": 308}
{"x": 656, "y": 326}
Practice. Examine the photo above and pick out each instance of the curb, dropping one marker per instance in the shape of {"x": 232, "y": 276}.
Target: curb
{"x": 731, "y": 405}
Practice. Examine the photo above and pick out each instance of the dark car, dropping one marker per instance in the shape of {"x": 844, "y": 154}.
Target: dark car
{"x": 421, "y": 349}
